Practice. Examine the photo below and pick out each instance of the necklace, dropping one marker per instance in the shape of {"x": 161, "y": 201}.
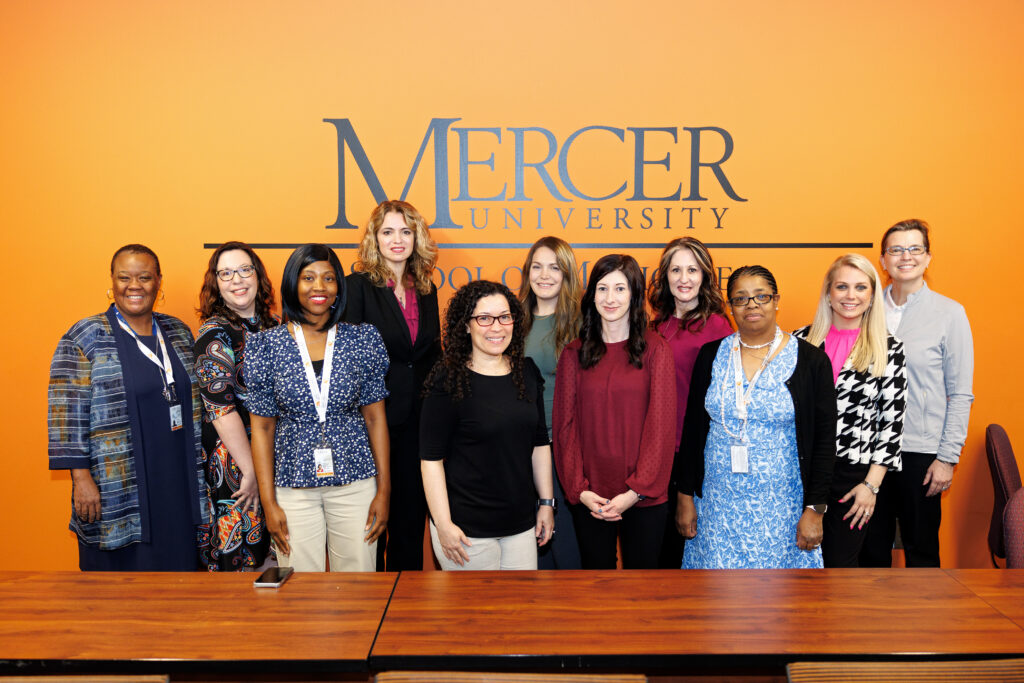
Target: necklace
{"x": 778, "y": 333}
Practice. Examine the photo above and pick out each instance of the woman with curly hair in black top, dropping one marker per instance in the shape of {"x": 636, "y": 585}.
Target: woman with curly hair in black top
{"x": 486, "y": 457}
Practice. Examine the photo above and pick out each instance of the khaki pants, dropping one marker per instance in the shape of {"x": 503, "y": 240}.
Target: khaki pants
{"x": 331, "y": 516}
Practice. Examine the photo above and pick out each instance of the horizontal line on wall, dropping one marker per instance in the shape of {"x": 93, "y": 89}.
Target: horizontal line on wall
{"x": 588, "y": 245}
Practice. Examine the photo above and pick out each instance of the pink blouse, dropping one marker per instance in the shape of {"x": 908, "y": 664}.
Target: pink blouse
{"x": 838, "y": 344}
{"x": 410, "y": 311}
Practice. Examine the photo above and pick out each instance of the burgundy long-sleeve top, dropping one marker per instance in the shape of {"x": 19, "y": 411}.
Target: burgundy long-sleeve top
{"x": 614, "y": 424}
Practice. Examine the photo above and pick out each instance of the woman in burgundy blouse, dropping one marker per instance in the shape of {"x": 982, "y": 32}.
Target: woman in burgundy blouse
{"x": 615, "y": 421}
{"x": 689, "y": 311}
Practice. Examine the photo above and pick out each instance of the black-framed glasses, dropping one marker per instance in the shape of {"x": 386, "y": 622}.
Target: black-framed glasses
{"x": 914, "y": 249}
{"x": 488, "y": 320}
{"x": 228, "y": 273}
{"x": 759, "y": 299}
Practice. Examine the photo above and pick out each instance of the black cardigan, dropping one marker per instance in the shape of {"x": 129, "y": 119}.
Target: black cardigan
{"x": 814, "y": 400}
{"x": 410, "y": 360}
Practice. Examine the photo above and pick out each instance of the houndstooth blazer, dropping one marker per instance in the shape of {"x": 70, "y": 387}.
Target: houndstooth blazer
{"x": 869, "y": 430}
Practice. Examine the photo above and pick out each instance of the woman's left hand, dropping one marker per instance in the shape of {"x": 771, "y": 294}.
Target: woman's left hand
{"x": 247, "y": 497}
{"x": 863, "y": 505}
{"x": 377, "y": 517}
{"x": 620, "y": 504}
{"x": 808, "y": 530}
{"x": 545, "y": 524}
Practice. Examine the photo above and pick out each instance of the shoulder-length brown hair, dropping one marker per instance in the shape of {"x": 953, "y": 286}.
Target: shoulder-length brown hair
{"x": 420, "y": 266}
{"x": 211, "y": 303}
{"x": 567, "y": 309}
{"x": 709, "y": 296}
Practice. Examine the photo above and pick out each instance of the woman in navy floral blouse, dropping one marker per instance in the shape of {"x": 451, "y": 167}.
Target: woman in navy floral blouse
{"x": 319, "y": 431}
{"x": 235, "y": 301}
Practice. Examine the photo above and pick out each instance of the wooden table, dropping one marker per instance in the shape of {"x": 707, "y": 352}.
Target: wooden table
{"x": 161, "y": 622}
{"x": 326, "y": 625}
{"x": 656, "y": 620}
{"x": 1003, "y": 589}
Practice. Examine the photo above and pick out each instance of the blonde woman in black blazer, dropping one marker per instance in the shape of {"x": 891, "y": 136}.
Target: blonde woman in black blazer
{"x": 869, "y": 370}
{"x": 392, "y": 290}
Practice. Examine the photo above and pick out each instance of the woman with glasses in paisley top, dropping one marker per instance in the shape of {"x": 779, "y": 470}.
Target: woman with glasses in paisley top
{"x": 235, "y": 301}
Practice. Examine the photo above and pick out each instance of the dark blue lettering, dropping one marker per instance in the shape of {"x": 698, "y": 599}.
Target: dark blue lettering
{"x": 715, "y": 166}
{"x": 563, "y": 165}
{"x": 521, "y": 164}
{"x": 465, "y": 161}
{"x": 620, "y": 217}
{"x": 472, "y": 218}
{"x": 592, "y": 215}
{"x": 438, "y": 130}
{"x": 508, "y": 215}
{"x": 718, "y": 217}
{"x": 645, "y": 218}
{"x": 563, "y": 221}
{"x": 691, "y": 209}
{"x": 639, "y": 162}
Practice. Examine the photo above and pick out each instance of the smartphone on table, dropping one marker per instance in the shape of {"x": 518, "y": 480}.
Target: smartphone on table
{"x": 273, "y": 577}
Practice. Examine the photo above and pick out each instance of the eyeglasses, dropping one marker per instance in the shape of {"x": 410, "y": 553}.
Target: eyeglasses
{"x": 759, "y": 299}
{"x": 229, "y": 273}
{"x": 915, "y": 250}
{"x": 488, "y": 320}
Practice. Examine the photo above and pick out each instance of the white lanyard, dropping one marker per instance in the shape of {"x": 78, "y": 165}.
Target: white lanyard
{"x": 165, "y": 365}
{"x": 320, "y": 393}
{"x": 743, "y": 397}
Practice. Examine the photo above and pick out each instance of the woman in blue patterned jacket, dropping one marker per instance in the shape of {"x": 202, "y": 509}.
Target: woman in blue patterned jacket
{"x": 870, "y": 373}
{"x": 319, "y": 429}
{"x": 124, "y": 418}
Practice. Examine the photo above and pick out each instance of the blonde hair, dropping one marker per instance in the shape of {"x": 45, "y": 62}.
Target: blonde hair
{"x": 870, "y": 351}
{"x": 567, "y": 310}
{"x": 420, "y": 266}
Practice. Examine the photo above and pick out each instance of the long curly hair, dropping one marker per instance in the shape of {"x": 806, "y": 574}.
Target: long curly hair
{"x": 709, "y": 296}
{"x": 452, "y": 370}
{"x": 211, "y": 303}
{"x": 567, "y": 310}
{"x": 419, "y": 268}
{"x": 592, "y": 348}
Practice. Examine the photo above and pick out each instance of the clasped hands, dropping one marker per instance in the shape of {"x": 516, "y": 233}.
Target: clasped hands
{"x": 609, "y": 509}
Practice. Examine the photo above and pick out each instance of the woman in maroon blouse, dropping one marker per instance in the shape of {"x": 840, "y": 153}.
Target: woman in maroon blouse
{"x": 689, "y": 311}
{"x": 615, "y": 421}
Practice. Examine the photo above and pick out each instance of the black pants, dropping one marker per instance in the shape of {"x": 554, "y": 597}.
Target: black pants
{"x": 841, "y": 545}
{"x": 902, "y": 497}
{"x": 407, "y": 517}
{"x": 639, "y": 531}
{"x": 672, "y": 542}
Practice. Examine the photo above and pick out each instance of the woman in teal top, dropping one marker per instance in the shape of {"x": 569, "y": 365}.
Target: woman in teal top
{"x": 550, "y": 293}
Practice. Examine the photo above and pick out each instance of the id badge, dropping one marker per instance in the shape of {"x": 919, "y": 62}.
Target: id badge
{"x": 740, "y": 464}
{"x": 324, "y": 462}
{"x": 176, "y": 417}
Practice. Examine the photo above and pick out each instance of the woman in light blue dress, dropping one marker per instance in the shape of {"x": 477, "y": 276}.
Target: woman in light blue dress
{"x": 758, "y": 446}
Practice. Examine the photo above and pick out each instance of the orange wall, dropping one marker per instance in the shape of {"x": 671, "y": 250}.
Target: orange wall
{"x": 183, "y": 124}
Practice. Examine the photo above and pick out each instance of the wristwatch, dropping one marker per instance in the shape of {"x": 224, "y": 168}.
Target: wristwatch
{"x": 871, "y": 487}
{"x": 551, "y": 502}
{"x": 820, "y": 508}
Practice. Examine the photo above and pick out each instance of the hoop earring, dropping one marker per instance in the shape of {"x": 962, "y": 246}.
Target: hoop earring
{"x": 162, "y": 297}
{"x": 110, "y": 294}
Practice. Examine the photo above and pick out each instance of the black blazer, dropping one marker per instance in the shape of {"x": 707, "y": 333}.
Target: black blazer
{"x": 814, "y": 400}
{"x": 410, "y": 361}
